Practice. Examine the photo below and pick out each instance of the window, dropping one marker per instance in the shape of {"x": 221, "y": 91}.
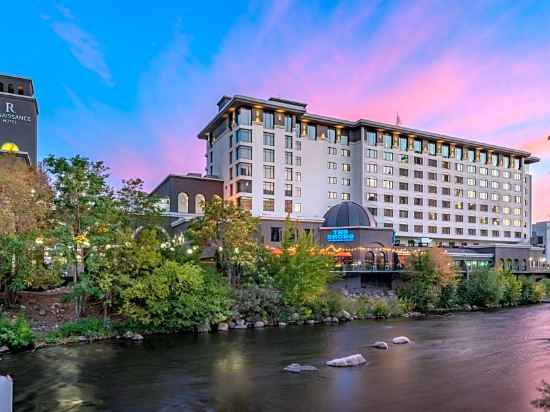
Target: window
{"x": 388, "y": 212}
{"x": 483, "y": 171}
{"x": 388, "y": 156}
{"x": 269, "y": 172}
{"x": 403, "y": 186}
{"x": 388, "y": 141}
{"x": 372, "y": 182}
{"x": 269, "y": 205}
{"x": 332, "y": 151}
{"x": 288, "y": 123}
{"x": 332, "y": 195}
{"x": 288, "y": 142}
{"x": 298, "y": 161}
{"x": 244, "y": 136}
{"x": 288, "y": 174}
{"x": 371, "y": 138}
{"x": 373, "y": 210}
{"x": 268, "y": 120}
{"x": 471, "y": 181}
{"x": 244, "y": 169}
{"x": 418, "y": 160}
{"x": 445, "y": 204}
{"x": 244, "y": 152}
{"x": 388, "y": 198}
{"x": 332, "y": 180}
{"x": 297, "y": 192}
{"x": 446, "y": 191}
{"x": 372, "y": 168}
{"x": 331, "y": 135}
{"x": 387, "y": 184}
{"x": 288, "y": 206}
{"x": 458, "y": 153}
{"x": 418, "y": 229}
{"x": 445, "y": 152}
{"x": 404, "y": 172}
{"x": 183, "y": 202}
{"x": 432, "y": 216}
{"x": 471, "y": 155}
{"x": 403, "y": 228}
{"x": 275, "y": 234}
{"x": 483, "y": 157}
{"x": 345, "y": 152}
{"x": 432, "y": 202}
{"x": 431, "y": 148}
{"x": 244, "y": 116}
{"x": 297, "y": 207}
{"x": 346, "y": 181}
{"x": 372, "y": 197}
{"x": 344, "y": 140}
{"x": 418, "y": 201}
{"x": 298, "y": 145}
{"x": 404, "y": 214}
{"x": 345, "y": 196}
{"x": 418, "y": 174}
{"x": 288, "y": 190}
{"x": 432, "y": 229}
{"x": 403, "y": 200}
{"x": 346, "y": 167}
{"x": 471, "y": 194}
{"x": 388, "y": 170}
{"x": 418, "y": 215}
{"x": 432, "y": 162}
{"x": 417, "y": 146}
{"x": 432, "y": 189}
{"x": 269, "y": 188}
{"x": 332, "y": 165}
{"x": 288, "y": 158}
{"x": 311, "y": 132}
{"x": 244, "y": 186}
{"x": 403, "y": 144}
{"x": 269, "y": 155}
{"x": 244, "y": 202}
{"x": 404, "y": 159}
{"x": 418, "y": 188}
{"x": 372, "y": 154}
{"x": 199, "y": 204}
{"x": 298, "y": 176}
{"x": 471, "y": 169}
{"x": 459, "y": 167}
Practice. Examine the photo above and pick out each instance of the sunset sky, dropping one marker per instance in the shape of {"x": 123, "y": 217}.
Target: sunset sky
{"x": 132, "y": 83}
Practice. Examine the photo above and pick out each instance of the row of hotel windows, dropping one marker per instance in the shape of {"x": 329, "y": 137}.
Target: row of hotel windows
{"x": 290, "y": 206}
{"x": 446, "y": 217}
{"x": 419, "y": 161}
{"x": 290, "y": 191}
{"x": 419, "y": 146}
{"x": 11, "y": 89}
{"x": 245, "y": 153}
{"x": 457, "y": 231}
{"x": 245, "y": 169}
{"x": 445, "y": 204}
{"x": 245, "y": 136}
{"x": 445, "y": 191}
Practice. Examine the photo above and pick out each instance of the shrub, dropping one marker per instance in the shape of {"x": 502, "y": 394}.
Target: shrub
{"x": 16, "y": 335}
{"x": 89, "y": 327}
{"x": 512, "y": 286}
{"x": 176, "y": 297}
{"x": 546, "y": 284}
{"x": 428, "y": 274}
{"x": 483, "y": 288}
{"x": 531, "y": 291}
{"x": 254, "y": 302}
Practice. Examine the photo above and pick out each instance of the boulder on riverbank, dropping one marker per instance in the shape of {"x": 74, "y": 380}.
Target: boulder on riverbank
{"x": 297, "y": 368}
{"x": 401, "y": 340}
{"x": 344, "y": 315}
{"x": 281, "y": 324}
{"x": 380, "y": 345}
{"x": 351, "y": 360}
{"x": 132, "y": 336}
{"x": 241, "y": 324}
{"x": 223, "y": 327}
{"x": 259, "y": 324}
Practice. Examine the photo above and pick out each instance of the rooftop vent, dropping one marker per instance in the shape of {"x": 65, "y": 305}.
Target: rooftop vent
{"x": 289, "y": 102}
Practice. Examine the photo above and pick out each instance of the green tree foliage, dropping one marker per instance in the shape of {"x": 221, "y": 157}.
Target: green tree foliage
{"x": 231, "y": 232}
{"x": 302, "y": 273}
{"x": 531, "y": 291}
{"x": 176, "y": 297}
{"x": 483, "y": 288}
{"x": 16, "y": 335}
{"x": 430, "y": 276}
{"x": 512, "y": 286}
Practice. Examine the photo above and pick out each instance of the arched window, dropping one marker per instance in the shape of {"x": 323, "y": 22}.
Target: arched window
{"x": 199, "y": 204}
{"x": 20, "y": 90}
{"x": 10, "y": 88}
{"x": 524, "y": 267}
{"x": 369, "y": 260}
{"x": 183, "y": 203}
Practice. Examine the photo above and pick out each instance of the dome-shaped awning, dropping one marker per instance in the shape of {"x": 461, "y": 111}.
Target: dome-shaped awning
{"x": 349, "y": 214}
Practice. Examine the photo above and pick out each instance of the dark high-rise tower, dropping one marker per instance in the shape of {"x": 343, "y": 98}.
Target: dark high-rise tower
{"x": 18, "y": 113}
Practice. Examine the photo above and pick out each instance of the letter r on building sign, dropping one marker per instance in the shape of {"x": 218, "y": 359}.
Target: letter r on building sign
{"x": 10, "y": 108}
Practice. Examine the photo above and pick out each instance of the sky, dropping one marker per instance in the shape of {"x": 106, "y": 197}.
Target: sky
{"x": 132, "y": 82}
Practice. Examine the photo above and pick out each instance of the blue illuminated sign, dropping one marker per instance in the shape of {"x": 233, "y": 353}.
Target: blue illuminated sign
{"x": 340, "y": 235}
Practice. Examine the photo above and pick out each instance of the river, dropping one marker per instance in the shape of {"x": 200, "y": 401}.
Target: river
{"x": 483, "y": 361}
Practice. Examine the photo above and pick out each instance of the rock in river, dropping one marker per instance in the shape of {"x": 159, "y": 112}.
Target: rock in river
{"x": 223, "y": 327}
{"x": 352, "y": 360}
{"x": 259, "y": 324}
{"x": 297, "y": 368}
{"x": 401, "y": 340}
{"x": 380, "y": 345}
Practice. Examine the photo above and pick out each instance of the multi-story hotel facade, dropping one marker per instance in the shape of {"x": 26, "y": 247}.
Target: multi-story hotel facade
{"x": 276, "y": 159}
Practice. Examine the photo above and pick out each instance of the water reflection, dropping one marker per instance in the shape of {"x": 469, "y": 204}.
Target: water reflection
{"x": 478, "y": 361}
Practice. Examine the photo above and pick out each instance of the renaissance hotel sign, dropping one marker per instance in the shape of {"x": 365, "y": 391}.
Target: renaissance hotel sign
{"x": 18, "y": 123}
{"x": 340, "y": 235}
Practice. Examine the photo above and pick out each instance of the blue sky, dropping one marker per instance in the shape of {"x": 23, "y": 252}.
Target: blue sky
{"x": 132, "y": 83}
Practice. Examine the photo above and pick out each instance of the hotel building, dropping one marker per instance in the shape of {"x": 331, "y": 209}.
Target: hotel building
{"x": 276, "y": 159}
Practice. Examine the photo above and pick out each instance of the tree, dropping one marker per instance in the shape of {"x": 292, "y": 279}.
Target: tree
{"x": 24, "y": 204}
{"x": 428, "y": 274}
{"x": 301, "y": 272}
{"x": 231, "y": 231}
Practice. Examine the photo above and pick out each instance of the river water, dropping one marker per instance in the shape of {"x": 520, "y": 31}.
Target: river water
{"x": 483, "y": 361}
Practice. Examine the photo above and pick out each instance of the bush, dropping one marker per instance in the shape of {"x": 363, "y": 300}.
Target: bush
{"x": 531, "y": 291}
{"x": 483, "y": 288}
{"x": 546, "y": 284}
{"x": 89, "y": 327}
{"x": 254, "y": 302}
{"x": 16, "y": 335}
{"x": 177, "y": 297}
{"x": 512, "y": 286}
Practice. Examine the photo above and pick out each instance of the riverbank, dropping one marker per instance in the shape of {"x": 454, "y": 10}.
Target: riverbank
{"x": 505, "y": 352}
